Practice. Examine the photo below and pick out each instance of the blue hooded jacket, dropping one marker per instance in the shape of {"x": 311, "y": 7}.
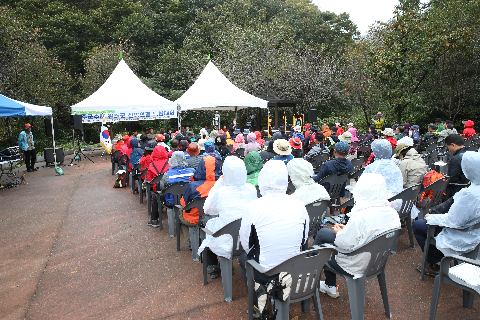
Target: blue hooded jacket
{"x": 136, "y": 153}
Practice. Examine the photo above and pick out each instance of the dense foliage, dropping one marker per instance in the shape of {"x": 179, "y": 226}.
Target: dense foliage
{"x": 422, "y": 64}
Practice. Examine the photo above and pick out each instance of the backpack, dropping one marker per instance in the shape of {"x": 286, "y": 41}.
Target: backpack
{"x": 121, "y": 180}
{"x": 278, "y": 287}
{"x": 423, "y": 198}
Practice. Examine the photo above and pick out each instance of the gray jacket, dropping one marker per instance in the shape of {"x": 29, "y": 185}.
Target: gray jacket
{"x": 413, "y": 168}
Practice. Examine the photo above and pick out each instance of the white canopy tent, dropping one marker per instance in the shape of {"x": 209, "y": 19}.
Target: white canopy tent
{"x": 123, "y": 97}
{"x": 213, "y": 91}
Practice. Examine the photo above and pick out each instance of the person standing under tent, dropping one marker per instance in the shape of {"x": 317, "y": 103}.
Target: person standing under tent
{"x": 27, "y": 145}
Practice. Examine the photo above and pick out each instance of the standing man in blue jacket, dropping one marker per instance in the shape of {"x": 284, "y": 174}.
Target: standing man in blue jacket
{"x": 27, "y": 145}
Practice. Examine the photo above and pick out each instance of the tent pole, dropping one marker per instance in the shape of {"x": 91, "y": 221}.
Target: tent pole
{"x": 53, "y": 140}
{"x": 236, "y": 113}
{"x": 179, "y": 120}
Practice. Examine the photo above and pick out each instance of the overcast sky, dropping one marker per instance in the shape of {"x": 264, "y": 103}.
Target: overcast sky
{"x": 362, "y": 12}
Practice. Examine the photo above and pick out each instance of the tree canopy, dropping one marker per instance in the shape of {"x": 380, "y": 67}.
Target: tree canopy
{"x": 422, "y": 63}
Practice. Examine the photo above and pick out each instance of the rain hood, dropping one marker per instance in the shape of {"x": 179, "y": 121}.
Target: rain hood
{"x": 307, "y": 190}
{"x": 177, "y": 160}
{"x": 273, "y": 178}
{"x": 385, "y": 166}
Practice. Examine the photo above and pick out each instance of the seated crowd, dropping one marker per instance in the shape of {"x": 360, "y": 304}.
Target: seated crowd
{"x": 241, "y": 178}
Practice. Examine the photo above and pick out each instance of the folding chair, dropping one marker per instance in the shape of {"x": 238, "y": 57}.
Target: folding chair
{"x": 444, "y": 276}
{"x": 317, "y": 211}
{"x": 226, "y": 265}
{"x": 177, "y": 190}
{"x": 140, "y": 183}
{"x": 148, "y": 195}
{"x": 305, "y": 269}
{"x": 239, "y": 153}
{"x": 355, "y": 175}
{"x": 408, "y": 197}
{"x": 379, "y": 249}
{"x": 335, "y": 185}
{"x": 341, "y": 217}
{"x": 431, "y": 240}
{"x": 114, "y": 158}
{"x": 194, "y": 231}
{"x": 135, "y": 176}
{"x": 318, "y": 160}
{"x": 357, "y": 164}
{"x": 364, "y": 151}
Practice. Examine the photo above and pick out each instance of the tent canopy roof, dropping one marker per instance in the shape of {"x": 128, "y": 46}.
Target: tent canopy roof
{"x": 13, "y": 108}
{"x": 123, "y": 90}
{"x": 212, "y": 90}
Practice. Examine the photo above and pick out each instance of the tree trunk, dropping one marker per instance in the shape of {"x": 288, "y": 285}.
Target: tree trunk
{"x": 399, "y": 114}
{"x": 10, "y": 134}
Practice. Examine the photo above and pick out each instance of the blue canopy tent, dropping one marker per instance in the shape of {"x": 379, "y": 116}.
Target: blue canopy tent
{"x": 13, "y": 108}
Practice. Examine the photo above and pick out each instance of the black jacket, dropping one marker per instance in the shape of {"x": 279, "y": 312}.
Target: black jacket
{"x": 455, "y": 173}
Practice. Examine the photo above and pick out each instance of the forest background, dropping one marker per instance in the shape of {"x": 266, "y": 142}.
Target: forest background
{"x": 422, "y": 64}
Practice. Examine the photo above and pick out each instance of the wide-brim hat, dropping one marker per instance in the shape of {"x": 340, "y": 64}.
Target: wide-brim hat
{"x": 379, "y": 114}
{"x": 160, "y": 137}
{"x": 282, "y": 147}
{"x": 297, "y": 129}
{"x": 350, "y": 124}
{"x": 27, "y": 125}
{"x": 345, "y": 137}
{"x": 190, "y": 135}
{"x": 296, "y": 143}
{"x": 193, "y": 149}
{"x": 314, "y": 127}
{"x": 388, "y": 132}
{"x": 399, "y": 148}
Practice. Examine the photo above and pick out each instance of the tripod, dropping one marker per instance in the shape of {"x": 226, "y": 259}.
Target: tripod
{"x": 78, "y": 153}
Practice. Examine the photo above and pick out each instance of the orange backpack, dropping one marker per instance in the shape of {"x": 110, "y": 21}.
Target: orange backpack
{"x": 423, "y": 199}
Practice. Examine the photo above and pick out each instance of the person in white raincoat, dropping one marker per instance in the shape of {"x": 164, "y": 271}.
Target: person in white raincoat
{"x": 307, "y": 190}
{"x": 275, "y": 226}
{"x": 383, "y": 164}
{"x": 227, "y": 200}
{"x": 463, "y": 213}
{"x": 370, "y": 216}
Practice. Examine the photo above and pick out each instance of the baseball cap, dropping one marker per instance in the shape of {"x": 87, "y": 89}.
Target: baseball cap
{"x": 342, "y": 147}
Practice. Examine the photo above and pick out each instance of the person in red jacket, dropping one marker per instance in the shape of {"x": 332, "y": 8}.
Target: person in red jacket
{"x": 157, "y": 166}
{"x": 339, "y": 128}
{"x": 389, "y": 136}
{"x": 146, "y": 159}
{"x": 468, "y": 131}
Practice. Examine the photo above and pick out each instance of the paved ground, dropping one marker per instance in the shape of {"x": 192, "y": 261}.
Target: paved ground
{"x": 73, "y": 247}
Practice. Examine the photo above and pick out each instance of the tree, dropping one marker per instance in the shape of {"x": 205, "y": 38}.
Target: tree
{"x": 28, "y": 72}
{"x": 422, "y": 45}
